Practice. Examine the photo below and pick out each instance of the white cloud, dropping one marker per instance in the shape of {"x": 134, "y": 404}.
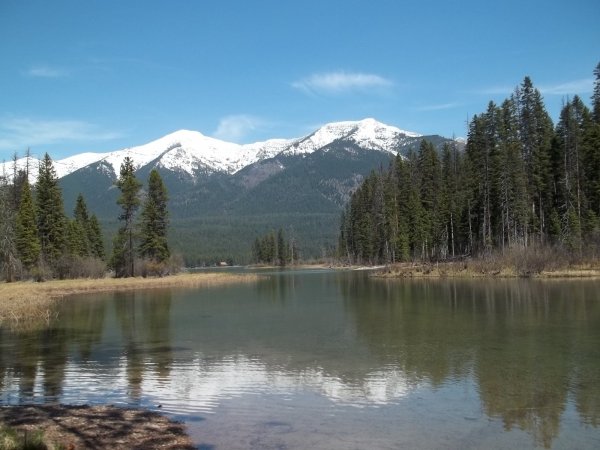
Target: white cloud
{"x": 573, "y": 87}
{"x": 338, "y": 82}
{"x": 581, "y": 86}
{"x": 236, "y": 127}
{"x": 46, "y": 72}
{"x": 439, "y": 107}
{"x": 17, "y": 133}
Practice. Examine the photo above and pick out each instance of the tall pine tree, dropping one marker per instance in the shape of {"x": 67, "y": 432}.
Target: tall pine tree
{"x": 81, "y": 227}
{"x": 26, "y": 239}
{"x": 51, "y": 219}
{"x": 155, "y": 221}
{"x": 123, "y": 245}
{"x": 8, "y": 250}
{"x": 536, "y": 133}
{"x": 95, "y": 238}
{"x": 596, "y": 95}
{"x": 591, "y": 156}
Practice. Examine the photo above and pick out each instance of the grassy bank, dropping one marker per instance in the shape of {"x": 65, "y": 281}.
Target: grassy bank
{"x": 466, "y": 270}
{"x": 28, "y": 302}
{"x": 531, "y": 262}
{"x": 481, "y": 268}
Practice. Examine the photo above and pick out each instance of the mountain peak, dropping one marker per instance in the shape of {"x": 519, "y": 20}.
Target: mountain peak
{"x": 189, "y": 151}
{"x": 367, "y": 133}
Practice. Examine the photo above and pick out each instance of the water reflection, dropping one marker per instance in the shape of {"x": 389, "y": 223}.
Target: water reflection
{"x": 529, "y": 350}
{"x": 145, "y": 330}
{"x": 528, "y": 344}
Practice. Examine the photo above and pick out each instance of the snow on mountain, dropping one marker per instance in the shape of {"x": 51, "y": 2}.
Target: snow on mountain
{"x": 62, "y": 166}
{"x": 191, "y": 151}
{"x": 182, "y": 150}
{"x": 367, "y": 133}
{"x": 72, "y": 163}
{"x": 264, "y": 150}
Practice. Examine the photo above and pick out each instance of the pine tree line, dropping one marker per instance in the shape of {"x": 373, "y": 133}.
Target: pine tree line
{"x": 519, "y": 182}
{"x": 274, "y": 250}
{"x": 37, "y": 238}
{"x": 141, "y": 248}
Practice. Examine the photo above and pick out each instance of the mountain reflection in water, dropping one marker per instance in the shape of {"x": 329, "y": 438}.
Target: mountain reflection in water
{"x": 528, "y": 350}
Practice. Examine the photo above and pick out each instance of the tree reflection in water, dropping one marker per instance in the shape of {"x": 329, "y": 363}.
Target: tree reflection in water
{"x": 530, "y": 347}
{"x": 527, "y": 343}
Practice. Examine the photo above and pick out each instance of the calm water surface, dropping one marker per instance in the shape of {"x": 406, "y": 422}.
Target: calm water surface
{"x": 332, "y": 360}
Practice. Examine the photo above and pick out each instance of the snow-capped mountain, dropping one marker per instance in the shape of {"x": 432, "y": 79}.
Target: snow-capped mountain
{"x": 190, "y": 152}
{"x": 368, "y": 134}
{"x": 222, "y": 194}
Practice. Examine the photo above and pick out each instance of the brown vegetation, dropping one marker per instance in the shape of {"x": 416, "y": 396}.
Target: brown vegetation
{"x": 539, "y": 262}
{"x": 28, "y": 302}
{"x": 97, "y": 427}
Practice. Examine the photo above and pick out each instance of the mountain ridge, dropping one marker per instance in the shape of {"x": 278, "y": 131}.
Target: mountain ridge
{"x": 189, "y": 151}
{"x": 223, "y": 195}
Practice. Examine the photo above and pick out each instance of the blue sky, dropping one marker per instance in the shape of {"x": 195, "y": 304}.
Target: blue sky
{"x": 99, "y": 75}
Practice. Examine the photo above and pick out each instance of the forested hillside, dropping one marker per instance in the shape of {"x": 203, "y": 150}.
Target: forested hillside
{"x": 520, "y": 182}
{"x": 217, "y": 216}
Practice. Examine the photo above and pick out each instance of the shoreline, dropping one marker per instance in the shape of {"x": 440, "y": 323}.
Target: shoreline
{"x": 475, "y": 269}
{"x": 30, "y": 302}
{"x": 99, "y": 427}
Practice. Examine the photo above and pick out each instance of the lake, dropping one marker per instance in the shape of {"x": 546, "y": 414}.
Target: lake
{"x": 331, "y": 360}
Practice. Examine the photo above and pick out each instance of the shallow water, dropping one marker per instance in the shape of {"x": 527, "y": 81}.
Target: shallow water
{"x": 319, "y": 359}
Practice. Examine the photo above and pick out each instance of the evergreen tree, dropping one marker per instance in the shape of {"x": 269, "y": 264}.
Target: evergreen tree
{"x": 402, "y": 179}
{"x": 344, "y": 239}
{"x": 281, "y": 249}
{"x": 51, "y": 219}
{"x": 77, "y": 243}
{"x": 19, "y": 176}
{"x": 154, "y": 223}
{"x": 363, "y": 229}
{"x": 536, "y": 131}
{"x": 519, "y": 181}
{"x": 271, "y": 245}
{"x": 123, "y": 244}
{"x": 8, "y": 250}
{"x": 256, "y": 251}
{"x": 591, "y": 155}
{"x": 391, "y": 250}
{"x": 430, "y": 192}
{"x": 120, "y": 258}
{"x": 568, "y": 160}
{"x": 510, "y": 180}
{"x": 451, "y": 198}
{"x": 596, "y": 95}
{"x": 95, "y": 238}
{"x": 479, "y": 144}
{"x": 81, "y": 227}
{"x": 26, "y": 232}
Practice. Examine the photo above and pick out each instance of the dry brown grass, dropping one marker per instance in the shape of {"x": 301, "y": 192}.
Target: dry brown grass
{"x": 28, "y": 302}
{"x": 539, "y": 263}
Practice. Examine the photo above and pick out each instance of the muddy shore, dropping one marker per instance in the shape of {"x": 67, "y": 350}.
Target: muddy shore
{"x": 97, "y": 427}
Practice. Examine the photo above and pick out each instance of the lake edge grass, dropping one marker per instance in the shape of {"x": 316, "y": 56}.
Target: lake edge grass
{"x": 29, "y": 303}
{"x": 471, "y": 269}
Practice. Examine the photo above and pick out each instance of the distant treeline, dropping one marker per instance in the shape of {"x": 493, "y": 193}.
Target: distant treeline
{"x": 38, "y": 240}
{"x": 276, "y": 251}
{"x": 520, "y": 182}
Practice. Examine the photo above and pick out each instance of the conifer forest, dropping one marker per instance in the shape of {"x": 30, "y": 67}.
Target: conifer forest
{"x": 520, "y": 181}
{"x": 38, "y": 240}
